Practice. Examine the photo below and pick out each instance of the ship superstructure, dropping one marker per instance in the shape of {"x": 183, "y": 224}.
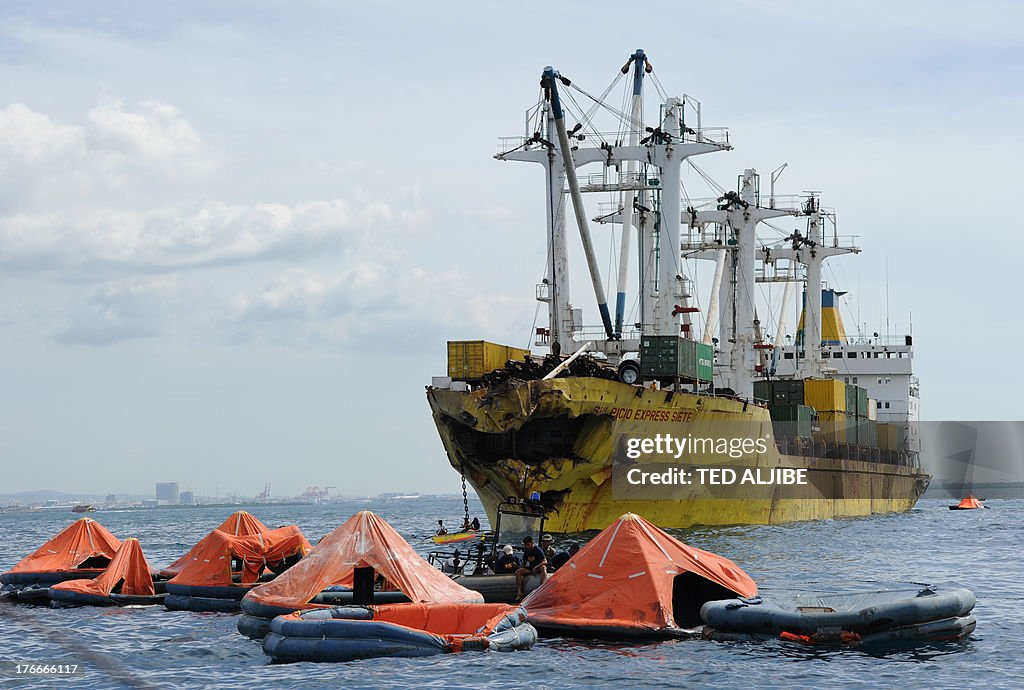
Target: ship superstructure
{"x": 552, "y": 429}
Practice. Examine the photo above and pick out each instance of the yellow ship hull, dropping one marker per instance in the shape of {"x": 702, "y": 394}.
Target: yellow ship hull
{"x": 563, "y": 437}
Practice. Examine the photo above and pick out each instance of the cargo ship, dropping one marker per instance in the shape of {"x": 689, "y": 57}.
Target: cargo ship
{"x": 564, "y": 425}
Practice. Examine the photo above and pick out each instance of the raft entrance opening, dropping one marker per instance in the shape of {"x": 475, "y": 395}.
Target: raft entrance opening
{"x": 690, "y": 591}
{"x": 94, "y": 562}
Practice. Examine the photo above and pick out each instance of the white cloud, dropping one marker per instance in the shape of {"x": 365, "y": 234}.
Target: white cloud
{"x": 119, "y": 157}
{"x": 177, "y": 237}
{"x": 383, "y": 303}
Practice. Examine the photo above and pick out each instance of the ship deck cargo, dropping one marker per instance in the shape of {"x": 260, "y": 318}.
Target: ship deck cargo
{"x": 469, "y": 360}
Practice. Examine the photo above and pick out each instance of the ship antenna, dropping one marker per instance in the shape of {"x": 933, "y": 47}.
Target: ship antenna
{"x": 888, "y": 330}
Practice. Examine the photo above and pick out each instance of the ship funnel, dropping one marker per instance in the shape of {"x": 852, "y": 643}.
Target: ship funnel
{"x": 832, "y": 331}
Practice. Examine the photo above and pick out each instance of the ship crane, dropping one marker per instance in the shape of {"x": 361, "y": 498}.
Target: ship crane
{"x": 550, "y": 83}
{"x": 734, "y": 248}
{"x": 811, "y": 249}
{"x": 664, "y": 147}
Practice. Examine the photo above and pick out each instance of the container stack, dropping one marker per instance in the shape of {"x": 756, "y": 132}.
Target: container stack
{"x": 839, "y": 412}
{"x": 791, "y": 418}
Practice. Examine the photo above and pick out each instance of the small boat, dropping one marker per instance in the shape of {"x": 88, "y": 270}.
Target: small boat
{"x": 498, "y": 589}
{"x": 472, "y": 568}
{"x": 84, "y": 509}
{"x": 456, "y": 537}
{"x": 346, "y": 633}
{"x": 968, "y": 503}
{"x": 911, "y": 614}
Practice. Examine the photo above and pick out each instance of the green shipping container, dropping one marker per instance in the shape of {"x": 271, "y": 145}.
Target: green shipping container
{"x": 862, "y": 402}
{"x": 837, "y": 427}
{"x": 780, "y": 391}
{"x": 851, "y": 399}
{"x": 669, "y": 356}
{"x": 763, "y": 390}
{"x": 867, "y": 433}
{"x": 705, "y": 362}
{"x": 789, "y": 421}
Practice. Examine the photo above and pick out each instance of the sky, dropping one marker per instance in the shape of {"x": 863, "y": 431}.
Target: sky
{"x": 234, "y": 237}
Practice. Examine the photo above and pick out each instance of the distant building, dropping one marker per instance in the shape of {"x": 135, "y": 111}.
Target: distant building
{"x": 167, "y": 493}
{"x": 188, "y": 498}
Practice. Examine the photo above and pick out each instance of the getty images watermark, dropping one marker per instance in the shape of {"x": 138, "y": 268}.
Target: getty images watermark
{"x": 781, "y": 460}
{"x": 676, "y": 447}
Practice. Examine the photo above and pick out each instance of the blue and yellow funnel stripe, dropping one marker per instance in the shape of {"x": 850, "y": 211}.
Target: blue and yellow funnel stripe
{"x": 832, "y": 331}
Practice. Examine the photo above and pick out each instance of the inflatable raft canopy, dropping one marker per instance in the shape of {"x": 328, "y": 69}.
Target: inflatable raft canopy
{"x": 359, "y": 553}
{"x": 238, "y": 524}
{"x": 224, "y": 567}
{"x": 346, "y": 633}
{"x": 128, "y": 578}
{"x": 968, "y": 503}
{"x": 634, "y": 580}
{"x": 81, "y": 550}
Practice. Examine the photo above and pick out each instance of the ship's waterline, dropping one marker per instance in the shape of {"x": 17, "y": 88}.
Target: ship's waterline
{"x": 563, "y": 438}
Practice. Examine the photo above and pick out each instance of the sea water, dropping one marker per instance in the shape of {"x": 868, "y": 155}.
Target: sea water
{"x": 150, "y": 647}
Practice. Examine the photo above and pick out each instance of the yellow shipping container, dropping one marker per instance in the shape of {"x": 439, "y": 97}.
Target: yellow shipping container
{"x": 825, "y": 395}
{"x": 837, "y": 427}
{"x": 885, "y": 436}
{"x": 892, "y": 437}
{"x": 469, "y": 360}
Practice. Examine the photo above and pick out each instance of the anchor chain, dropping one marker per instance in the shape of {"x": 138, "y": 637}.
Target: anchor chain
{"x": 465, "y": 496}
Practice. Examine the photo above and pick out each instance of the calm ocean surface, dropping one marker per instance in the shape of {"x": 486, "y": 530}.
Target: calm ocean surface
{"x": 151, "y": 647}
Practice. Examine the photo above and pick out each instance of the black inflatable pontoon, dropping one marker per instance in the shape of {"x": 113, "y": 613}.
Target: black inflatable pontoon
{"x": 929, "y": 614}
